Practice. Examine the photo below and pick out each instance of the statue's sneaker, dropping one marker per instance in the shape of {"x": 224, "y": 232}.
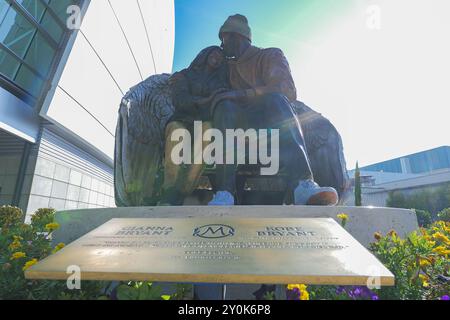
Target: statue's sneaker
{"x": 310, "y": 193}
{"x": 222, "y": 198}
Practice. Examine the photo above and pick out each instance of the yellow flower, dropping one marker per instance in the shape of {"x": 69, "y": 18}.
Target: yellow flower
{"x": 15, "y": 245}
{"x": 58, "y": 247}
{"x": 446, "y": 227}
{"x": 18, "y": 255}
{"x": 52, "y": 226}
{"x": 29, "y": 264}
{"x": 393, "y": 234}
{"x": 441, "y": 250}
{"x": 304, "y": 295}
{"x": 424, "y": 263}
{"x": 441, "y": 237}
{"x": 424, "y": 278}
{"x": 432, "y": 243}
{"x": 377, "y": 236}
{"x": 300, "y": 287}
{"x": 342, "y": 216}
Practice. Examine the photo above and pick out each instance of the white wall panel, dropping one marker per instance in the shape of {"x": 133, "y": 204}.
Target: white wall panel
{"x": 71, "y": 116}
{"x": 160, "y": 20}
{"x": 87, "y": 80}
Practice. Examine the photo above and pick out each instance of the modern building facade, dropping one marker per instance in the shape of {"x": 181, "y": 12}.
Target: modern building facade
{"x": 64, "y": 67}
{"x": 413, "y": 173}
{"x": 417, "y": 163}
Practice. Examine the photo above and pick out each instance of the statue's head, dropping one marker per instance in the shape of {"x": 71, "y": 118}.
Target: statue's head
{"x": 211, "y": 58}
{"x": 235, "y": 34}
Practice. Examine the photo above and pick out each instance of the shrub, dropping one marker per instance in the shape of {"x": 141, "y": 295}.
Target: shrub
{"x": 43, "y": 217}
{"x": 424, "y": 218}
{"x": 420, "y": 262}
{"x": 431, "y": 200}
{"x": 444, "y": 215}
{"x": 23, "y": 245}
{"x": 10, "y": 216}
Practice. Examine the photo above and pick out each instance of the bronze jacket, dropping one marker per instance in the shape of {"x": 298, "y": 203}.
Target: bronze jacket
{"x": 263, "y": 70}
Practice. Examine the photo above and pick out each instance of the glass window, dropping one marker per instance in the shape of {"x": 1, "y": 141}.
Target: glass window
{"x": 40, "y": 55}
{"x": 52, "y": 27}
{"x": 60, "y": 7}
{"x": 8, "y": 64}
{"x": 33, "y": 53}
{"x": 27, "y": 79}
{"x": 16, "y": 32}
{"x": 41, "y": 15}
{"x": 4, "y": 6}
{"x": 34, "y": 7}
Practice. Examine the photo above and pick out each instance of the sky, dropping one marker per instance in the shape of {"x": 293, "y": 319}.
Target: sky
{"x": 378, "y": 69}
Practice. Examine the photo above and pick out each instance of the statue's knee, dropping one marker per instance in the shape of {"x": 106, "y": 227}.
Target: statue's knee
{"x": 173, "y": 126}
{"x": 278, "y": 99}
{"x": 224, "y": 110}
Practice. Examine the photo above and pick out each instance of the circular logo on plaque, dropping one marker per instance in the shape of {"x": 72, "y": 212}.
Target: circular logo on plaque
{"x": 214, "y": 231}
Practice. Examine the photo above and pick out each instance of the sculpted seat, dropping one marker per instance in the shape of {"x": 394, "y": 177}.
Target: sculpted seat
{"x": 139, "y": 151}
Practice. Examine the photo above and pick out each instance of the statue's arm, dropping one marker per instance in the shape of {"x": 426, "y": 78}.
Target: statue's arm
{"x": 277, "y": 75}
{"x": 182, "y": 99}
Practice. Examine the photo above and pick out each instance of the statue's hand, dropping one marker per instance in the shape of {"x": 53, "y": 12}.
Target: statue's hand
{"x": 229, "y": 95}
{"x": 206, "y": 101}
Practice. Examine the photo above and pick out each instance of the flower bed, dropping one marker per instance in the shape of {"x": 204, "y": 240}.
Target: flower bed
{"x": 420, "y": 264}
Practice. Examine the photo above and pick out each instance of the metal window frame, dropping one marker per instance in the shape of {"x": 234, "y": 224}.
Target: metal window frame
{"x": 54, "y": 15}
{"x": 17, "y": 91}
{"x": 9, "y": 84}
{"x": 22, "y": 61}
{"x": 24, "y": 12}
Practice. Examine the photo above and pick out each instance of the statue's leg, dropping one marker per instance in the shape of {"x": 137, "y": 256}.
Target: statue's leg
{"x": 226, "y": 117}
{"x": 274, "y": 111}
{"x": 278, "y": 114}
{"x": 194, "y": 171}
{"x": 172, "y": 172}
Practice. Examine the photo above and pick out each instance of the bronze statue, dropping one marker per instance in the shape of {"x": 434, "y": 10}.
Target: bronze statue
{"x": 261, "y": 97}
{"x": 193, "y": 91}
{"x": 260, "y": 84}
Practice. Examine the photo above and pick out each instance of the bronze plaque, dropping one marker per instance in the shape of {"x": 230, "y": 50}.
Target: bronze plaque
{"x": 218, "y": 250}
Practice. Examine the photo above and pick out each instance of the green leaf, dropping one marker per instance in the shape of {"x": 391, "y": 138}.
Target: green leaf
{"x": 125, "y": 292}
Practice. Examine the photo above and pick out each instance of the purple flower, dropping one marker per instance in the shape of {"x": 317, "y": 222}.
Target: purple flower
{"x": 293, "y": 294}
{"x": 445, "y": 298}
{"x": 340, "y": 290}
{"x": 375, "y": 297}
{"x": 357, "y": 292}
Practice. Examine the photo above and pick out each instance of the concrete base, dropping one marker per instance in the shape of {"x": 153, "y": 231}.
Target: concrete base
{"x": 363, "y": 223}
